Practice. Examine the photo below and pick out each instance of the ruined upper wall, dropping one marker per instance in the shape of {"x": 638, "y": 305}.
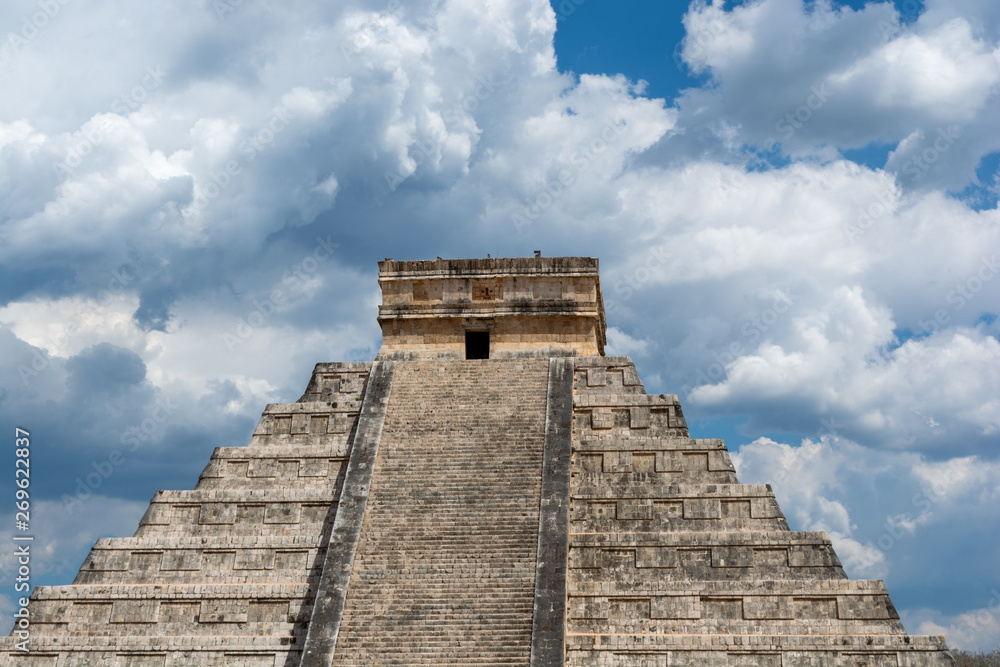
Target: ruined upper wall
{"x": 529, "y": 306}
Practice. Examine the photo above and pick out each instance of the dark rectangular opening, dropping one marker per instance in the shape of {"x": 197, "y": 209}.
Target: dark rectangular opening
{"x": 477, "y": 344}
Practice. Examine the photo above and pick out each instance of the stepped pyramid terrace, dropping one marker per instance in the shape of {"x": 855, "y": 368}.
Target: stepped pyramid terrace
{"x": 490, "y": 490}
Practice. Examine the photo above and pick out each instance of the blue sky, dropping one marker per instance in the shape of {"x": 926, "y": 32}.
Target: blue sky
{"x": 794, "y": 204}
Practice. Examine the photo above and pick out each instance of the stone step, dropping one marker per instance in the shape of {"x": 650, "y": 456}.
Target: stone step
{"x": 237, "y": 512}
{"x": 610, "y": 399}
{"x": 313, "y": 423}
{"x": 694, "y": 556}
{"x": 671, "y": 491}
{"x": 182, "y": 610}
{"x": 750, "y": 587}
{"x": 138, "y": 651}
{"x": 431, "y": 594}
{"x": 647, "y": 460}
{"x": 603, "y": 414}
{"x": 606, "y": 375}
{"x": 643, "y": 442}
{"x": 337, "y": 382}
{"x": 674, "y": 507}
{"x": 754, "y": 649}
{"x": 618, "y": 474}
{"x": 734, "y": 607}
{"x": 441, "y": 619}
{"x": 208, "y": 560}
{"x": 266, "y": 467}
{"x": 319, "y": 473}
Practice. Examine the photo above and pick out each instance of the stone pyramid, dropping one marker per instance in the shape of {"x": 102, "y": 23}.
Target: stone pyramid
{"x": 491, "y": 490}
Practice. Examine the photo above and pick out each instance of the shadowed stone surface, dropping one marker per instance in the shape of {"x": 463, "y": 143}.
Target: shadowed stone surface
{"x": 548, "y": 637}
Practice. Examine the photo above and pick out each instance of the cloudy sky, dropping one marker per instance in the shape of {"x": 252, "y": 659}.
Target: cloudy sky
{"x": 794, "y": 204}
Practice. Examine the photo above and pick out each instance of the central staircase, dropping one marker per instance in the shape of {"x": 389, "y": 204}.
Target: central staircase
{"x": 445, "y": 564}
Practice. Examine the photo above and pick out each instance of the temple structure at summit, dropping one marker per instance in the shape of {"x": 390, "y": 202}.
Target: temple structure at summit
{"x": 490, "y": 490}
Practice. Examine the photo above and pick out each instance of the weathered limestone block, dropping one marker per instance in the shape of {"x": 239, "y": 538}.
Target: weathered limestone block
{"x": 704, "y": 556}
{"x": 868, "y": 607}
{"x": 693, "y": 461}
{"x": 223, "y": 611}
{"x": 228, "y": 560}
{"x": 702, "y": 508}
{"x": 218, "y": 512}
{"x": 254, "y": 559}
{"x": 675, "y": 607}
{"x": 170, "y": 610}
{"x": 732, "y": 556}
{"x": 776, "y": 607}
{"x": 135, "y": 611}
{"x": 771, "y": 651}
{"x": 589, "y": 607}
{"x": 307, "y": 424}
{"x": 628, "y": 415}
{"x": 812, "y": 556}
{"x": 336, "y": 382}
{"x": 658, "y": 557}
{"x": 181, "y": 560}
{"x": 147, "y": 651}
{"x": 771, "y": 607}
